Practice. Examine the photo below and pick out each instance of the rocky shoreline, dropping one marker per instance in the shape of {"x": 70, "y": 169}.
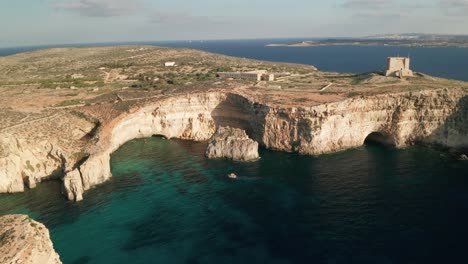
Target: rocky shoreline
{"x": 432, "y": 117}
{"x": 23, "y": 240}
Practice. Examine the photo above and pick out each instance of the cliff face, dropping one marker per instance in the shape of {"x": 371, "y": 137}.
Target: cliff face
{"x": 232, "y": 143}
{"x": 430, "y": 117}
{"x": 23, "y": 240}
{"x": 185, "y": 117}
{"x": 28, "y": 164}
{"x": 40, "y": 149}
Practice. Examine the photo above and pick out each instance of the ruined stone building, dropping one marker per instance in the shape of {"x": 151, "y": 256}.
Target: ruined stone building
{"x": 249, "y": 76}
{"x": 399, "y": 67}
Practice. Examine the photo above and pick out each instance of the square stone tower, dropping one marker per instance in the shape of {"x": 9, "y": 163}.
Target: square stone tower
{"x": 399, "y": 67}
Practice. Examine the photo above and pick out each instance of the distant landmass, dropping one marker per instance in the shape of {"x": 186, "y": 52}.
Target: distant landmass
{"x": 405, "y": 40}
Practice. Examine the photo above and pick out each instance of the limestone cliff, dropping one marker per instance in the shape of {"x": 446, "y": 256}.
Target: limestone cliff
{"x": 232, "y": 143}
{"x": 185, "y": 117}
{"x": 73, "y": 185}
{"x": 23, "y": 240}
{"x": 41, "y": 149}
{"x": 28, "y": 164}
{"x": 430, "y": 117}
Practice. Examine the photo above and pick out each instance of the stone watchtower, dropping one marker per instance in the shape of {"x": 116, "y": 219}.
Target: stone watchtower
{"x": 399, "y": 67}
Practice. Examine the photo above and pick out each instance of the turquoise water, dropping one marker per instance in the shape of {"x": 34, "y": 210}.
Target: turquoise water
{"x": 168, "y": 204}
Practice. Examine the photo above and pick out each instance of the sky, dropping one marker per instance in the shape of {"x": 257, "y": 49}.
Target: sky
{"x": 45, "y": 22}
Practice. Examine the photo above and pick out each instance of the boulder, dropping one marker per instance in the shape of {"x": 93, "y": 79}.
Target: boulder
{"x": 232, "y": 143}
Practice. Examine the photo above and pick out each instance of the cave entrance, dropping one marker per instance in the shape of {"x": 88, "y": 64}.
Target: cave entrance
{"x": 235, "y": 112}
{"x": 379, "y": 139}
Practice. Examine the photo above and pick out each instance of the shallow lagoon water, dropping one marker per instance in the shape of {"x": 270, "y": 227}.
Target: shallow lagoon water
{"x": 168, "y": 204}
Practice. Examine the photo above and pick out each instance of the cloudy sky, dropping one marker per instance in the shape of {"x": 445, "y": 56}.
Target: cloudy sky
{"x": 38, "y": 22}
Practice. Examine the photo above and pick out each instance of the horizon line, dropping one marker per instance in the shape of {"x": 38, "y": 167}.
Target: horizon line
{"x": 120, "y": 42}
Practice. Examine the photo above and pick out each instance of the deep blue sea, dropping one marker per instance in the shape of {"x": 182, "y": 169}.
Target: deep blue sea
{"x": 167, "y": 203}
{"x": 449, "y": 63}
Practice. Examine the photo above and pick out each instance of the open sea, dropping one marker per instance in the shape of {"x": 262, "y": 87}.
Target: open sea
{"x": 167, "y": 203}
{"x": 451, "y": 63}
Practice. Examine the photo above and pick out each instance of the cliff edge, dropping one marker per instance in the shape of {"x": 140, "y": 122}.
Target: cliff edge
{"x": 25, "y": 241}
{"x": 55, "y": 125}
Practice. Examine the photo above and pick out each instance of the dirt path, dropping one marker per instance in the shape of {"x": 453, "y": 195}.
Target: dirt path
{"x": 29, "y": 122}
{"x": 106, "y": 79}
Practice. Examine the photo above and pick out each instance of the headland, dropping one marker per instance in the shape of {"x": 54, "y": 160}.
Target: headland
{"x": 65, "y": 111}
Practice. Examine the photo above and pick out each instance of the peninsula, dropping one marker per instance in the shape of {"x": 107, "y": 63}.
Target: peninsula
{"x": 64, "y": 111}
{"x": 402, "y": 40}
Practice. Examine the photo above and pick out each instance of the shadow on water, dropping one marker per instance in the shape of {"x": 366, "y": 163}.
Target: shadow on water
{"x": 368, "y": 205}
{"x": 47, "y": 204}
{"x": 83, "y": 260}
{"x": 167, "y": 203}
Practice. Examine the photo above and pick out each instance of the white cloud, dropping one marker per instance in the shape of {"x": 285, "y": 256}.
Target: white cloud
{"x": 367, "y": 4}
{"x": 101, "y": 8}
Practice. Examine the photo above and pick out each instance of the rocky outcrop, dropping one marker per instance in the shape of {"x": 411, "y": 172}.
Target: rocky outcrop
{"x": 73, "y": 185}
{"x": 431, "y": 117}
{"x": 40, "y": 149}
{"x": 437, "y": 117}
{"x": 185, "y": 117}
{"x": 232, "y": 143}
{"x": 23, "y": 240}
{"x": 24, "y": 164}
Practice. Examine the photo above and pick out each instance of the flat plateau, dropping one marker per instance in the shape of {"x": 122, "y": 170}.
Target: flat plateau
{"x": 64, "y": 111}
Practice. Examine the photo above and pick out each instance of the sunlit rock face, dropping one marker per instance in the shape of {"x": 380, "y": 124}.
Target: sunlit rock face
{"x": 432, "y": 117}
{"x": 232, "y": 143}
{"x": 438, "y": 117}
{"x": 40, "y": 150}
{"x": 23, "y": 164}
{"x": 23, "y": 240}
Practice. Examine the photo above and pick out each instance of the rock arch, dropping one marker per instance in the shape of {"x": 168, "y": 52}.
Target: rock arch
{"x": 193, "y": 117}
{"x": 396, "y": 120}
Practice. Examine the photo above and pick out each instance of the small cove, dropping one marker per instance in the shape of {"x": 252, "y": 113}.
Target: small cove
{"x": 168, "y": 204}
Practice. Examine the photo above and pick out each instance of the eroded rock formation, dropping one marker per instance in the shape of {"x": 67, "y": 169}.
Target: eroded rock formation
{"x": 232, "y": 143}
{"x": 41, "y": 149}
{"x": 431, "y": 117}
{"x": 73, "y": 185}
{"x": 23, "y": 240}
{"x": 26, "y": 164}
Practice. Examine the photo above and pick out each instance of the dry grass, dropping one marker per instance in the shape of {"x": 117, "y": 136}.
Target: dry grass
{"x": 39, "y": 89}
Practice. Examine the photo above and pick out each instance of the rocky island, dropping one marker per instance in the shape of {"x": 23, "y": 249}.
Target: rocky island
{"x": 64, "y": 111}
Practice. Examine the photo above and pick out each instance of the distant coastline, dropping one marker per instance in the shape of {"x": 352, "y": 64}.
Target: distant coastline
{"x": 404, "y": 40}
